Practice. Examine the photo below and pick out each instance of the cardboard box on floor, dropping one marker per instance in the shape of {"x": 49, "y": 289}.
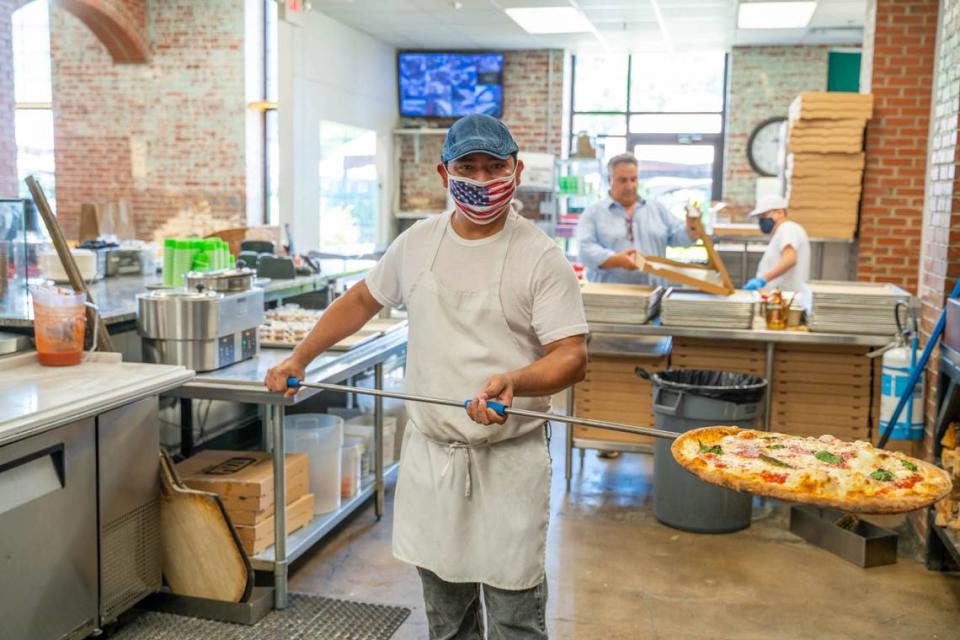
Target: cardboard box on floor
{"x": 243, "y": 479}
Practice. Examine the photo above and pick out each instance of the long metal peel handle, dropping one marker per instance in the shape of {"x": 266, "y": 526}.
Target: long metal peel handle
{"x": 498, "y": 407}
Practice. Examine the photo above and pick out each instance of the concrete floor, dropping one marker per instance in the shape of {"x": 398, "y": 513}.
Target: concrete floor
{"x": 615, "y": 572}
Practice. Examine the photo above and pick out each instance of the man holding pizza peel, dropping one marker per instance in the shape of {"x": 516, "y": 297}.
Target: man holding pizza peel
{"x": 494, "y": 313}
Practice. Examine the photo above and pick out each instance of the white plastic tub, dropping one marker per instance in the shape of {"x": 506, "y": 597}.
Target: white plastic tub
{"x": 351, "y": 456}
{"x": 362, "y": 427}
{"x": 321, "y": 437}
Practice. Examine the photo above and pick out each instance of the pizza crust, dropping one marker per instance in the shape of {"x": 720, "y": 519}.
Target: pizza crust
{"x": 708, "y": 436}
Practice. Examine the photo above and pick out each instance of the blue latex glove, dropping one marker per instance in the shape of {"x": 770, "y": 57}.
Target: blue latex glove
{"x": 754, "y": 284}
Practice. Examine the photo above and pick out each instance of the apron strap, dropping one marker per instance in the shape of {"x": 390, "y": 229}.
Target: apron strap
{"x": 452, "y": 449}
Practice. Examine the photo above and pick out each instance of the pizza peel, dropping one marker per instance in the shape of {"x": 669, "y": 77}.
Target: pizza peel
{"x": 503, "y": 410}
{"x": 498, "y": 407}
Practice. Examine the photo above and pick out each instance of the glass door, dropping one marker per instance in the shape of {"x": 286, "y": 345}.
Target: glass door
{"x": 675, "y": 174}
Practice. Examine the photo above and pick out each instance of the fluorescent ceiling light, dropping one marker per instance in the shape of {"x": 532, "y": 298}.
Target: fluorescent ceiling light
{"x": 775, "y": 15}
{"x": 550, "y": 20}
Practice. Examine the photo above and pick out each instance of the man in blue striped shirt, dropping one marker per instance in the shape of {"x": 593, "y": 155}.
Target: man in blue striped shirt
{"x": 612, "y": 232}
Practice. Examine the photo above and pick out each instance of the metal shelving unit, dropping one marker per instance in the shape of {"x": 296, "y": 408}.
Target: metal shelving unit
{"x": 301, "y": 540}
{"x": 943, "y": 545}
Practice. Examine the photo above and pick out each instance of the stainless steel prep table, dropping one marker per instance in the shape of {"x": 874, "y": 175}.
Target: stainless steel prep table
{"x": 243, "y": 382}
{"x": 608, "y": 339}
{"x": 117, "y": 297}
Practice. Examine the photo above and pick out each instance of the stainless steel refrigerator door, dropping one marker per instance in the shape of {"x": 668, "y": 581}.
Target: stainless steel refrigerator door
{"x": 48, "y": 534}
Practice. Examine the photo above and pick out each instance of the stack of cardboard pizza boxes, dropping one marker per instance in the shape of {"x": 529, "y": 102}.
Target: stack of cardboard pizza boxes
{"x": 612, "y": 391}
{"x": 824, "y": 390}
{"x": 948, "y": 509}
{"x": 825, "y": 161}
{"x": 244, "y": 482}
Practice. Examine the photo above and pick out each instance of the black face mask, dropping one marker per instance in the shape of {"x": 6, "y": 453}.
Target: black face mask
{"x": 766, "y": 225}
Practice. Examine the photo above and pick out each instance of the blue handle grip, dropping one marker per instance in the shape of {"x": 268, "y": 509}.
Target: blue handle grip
{"x": 498, "y": 407}
{"x": 293, "y": 383}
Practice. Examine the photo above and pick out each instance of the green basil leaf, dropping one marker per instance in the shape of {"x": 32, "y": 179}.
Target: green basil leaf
{"x": 829, "y": 458}
{"x": 909, "y": 465}
{"x": 776, "y": 446}
{"x": 714, "y": 449}
{"x": 775, "y": 462}
{"x": 882, "y": 475}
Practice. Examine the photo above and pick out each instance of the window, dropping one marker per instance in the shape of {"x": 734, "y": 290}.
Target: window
{"x": 270, "y": 123}
{"x": 33, "y": 117}
{"x": 349, "y": 192}
{"x": 668, "y": 110}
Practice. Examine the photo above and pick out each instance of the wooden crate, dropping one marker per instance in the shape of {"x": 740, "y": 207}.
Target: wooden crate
{"x": 612, "y": 391}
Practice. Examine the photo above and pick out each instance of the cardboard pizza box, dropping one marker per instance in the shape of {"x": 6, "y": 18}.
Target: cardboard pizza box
{"x": 257, "y": 538}
{"x": 239, "y": 474}
{"x": 239, "y": 508}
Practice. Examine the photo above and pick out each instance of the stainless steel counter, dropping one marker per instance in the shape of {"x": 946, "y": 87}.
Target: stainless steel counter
{"x": 37, "y": 398}
{"x": 117, "y": 297}
{"x": 243, "y": 382}
{"x": 775, "y": 337}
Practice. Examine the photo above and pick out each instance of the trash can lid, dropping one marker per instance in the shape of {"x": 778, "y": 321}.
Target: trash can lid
{"x": 729, "y": 386}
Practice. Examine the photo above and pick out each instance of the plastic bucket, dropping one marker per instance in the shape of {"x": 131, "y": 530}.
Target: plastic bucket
{"x": 689, "y": 399}
{"x": 320, "y": 436}
{"x": 59, "y": 322}
{"x": 350, "y": 471}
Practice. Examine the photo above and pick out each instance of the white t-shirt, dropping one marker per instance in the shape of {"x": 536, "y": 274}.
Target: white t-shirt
{"x": 788, "y": 234}
{"x": 539, "y": 291}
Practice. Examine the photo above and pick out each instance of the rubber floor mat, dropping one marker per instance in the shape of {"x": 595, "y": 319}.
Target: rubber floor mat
{"x": 307, "y": 617}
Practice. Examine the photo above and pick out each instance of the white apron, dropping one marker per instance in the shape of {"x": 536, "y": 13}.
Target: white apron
{"x": 472, "y": 500}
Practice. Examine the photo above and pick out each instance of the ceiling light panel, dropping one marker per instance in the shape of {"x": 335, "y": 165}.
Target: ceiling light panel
{"x": 775, "y": 15}
{"x": 541, "y": 20}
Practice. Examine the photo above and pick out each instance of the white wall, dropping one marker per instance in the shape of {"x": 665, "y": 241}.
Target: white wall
{"x": 329, "y": 71}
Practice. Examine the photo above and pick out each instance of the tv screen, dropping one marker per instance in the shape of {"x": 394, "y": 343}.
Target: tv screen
{"x": 450, "y": 84}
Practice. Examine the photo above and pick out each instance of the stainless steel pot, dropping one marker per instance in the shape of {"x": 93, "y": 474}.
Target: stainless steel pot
{"x": 223, "y": 281}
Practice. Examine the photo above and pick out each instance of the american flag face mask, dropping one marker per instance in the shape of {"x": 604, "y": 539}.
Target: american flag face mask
{"x": 482, "y": 202}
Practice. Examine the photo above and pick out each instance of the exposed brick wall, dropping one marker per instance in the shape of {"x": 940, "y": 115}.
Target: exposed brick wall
{"x": 166, "y": 136}
{"x": 121, "y": 23}
{"x": 8, "y": 141}
{"x": 941, "y": 239}
{"x": 898, "y": 71}
{"x": 528, "y": 90}
{"x": 762, "y": 83}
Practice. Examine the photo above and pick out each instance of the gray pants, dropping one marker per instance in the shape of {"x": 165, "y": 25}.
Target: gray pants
{"x": 454, "y": 611}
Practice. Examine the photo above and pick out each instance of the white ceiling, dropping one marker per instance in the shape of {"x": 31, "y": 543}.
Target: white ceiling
{"x": 621, "y": 25}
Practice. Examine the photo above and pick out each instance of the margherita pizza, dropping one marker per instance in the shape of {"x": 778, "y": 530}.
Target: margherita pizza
{"x": 824, "y": 471}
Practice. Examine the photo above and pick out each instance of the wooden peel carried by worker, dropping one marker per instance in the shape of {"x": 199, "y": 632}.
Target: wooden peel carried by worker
{"x": 103, "y": 342}
{"x": 825, "y": 471}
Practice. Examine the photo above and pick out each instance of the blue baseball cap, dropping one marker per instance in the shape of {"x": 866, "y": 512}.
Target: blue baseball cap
{"x": 478, "y": 133}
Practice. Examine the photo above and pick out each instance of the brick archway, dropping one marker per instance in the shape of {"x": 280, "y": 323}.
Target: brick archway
{"x": 119, "y": 24}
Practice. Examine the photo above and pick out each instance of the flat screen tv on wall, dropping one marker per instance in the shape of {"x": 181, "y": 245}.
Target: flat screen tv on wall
{"x": 450, "y": 85}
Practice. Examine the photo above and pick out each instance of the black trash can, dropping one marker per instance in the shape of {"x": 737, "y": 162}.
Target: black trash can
{"x": 688, "y": 399}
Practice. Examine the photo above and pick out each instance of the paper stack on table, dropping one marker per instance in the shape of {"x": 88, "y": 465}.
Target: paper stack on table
{"x": 620, "y": 303}
{"x": 854, "y": 307}
{"x": 695, "y": 309}
{"x": 825, "y": 161}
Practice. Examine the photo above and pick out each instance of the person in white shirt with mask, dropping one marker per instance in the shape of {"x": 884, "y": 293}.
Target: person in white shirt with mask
{"x": 785, "y": 263}
{"x": 494, "y": 314}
